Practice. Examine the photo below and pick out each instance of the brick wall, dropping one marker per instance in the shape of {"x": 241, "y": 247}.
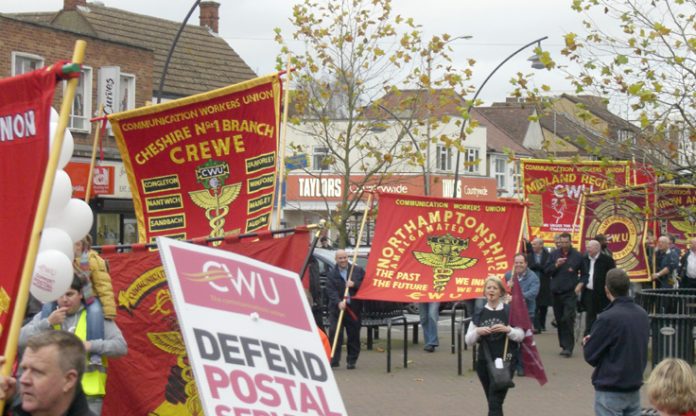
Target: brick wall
{"x": 53, "y": 45}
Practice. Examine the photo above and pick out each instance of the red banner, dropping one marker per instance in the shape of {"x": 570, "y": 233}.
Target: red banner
{"x": 203, "y": 165}
{"x": 553, "y": 189}
{"x": 529, "y": 354}
{"x": 619, "y": 214}
{"x": 437, "y": 249}
{"x": 676, "y": 208}
{"x": 155, "y": 377}
{"x": 25, "y": 103}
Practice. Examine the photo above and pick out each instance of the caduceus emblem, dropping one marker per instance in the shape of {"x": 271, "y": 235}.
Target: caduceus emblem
{"x": 445, "y": 258}
{"x": 216, "y": 197}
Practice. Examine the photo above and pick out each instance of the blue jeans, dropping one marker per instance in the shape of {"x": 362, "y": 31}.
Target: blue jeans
{"x": 611, "y": 403}
{"x": 429, "y": 315}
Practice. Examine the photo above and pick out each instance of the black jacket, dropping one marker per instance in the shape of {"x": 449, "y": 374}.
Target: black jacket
{"x": 564, "y": 278}
{"x": 602, "y": 265}
{"x": 544, "y": 297}
{"x": 618, "y": 347}
{"x": 683, "y": 263}
{"x": 336, "y": 287}
{"x": 78, "y": 407}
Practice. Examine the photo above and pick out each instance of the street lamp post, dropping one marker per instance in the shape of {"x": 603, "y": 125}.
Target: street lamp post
{"x": 536, "y": 64}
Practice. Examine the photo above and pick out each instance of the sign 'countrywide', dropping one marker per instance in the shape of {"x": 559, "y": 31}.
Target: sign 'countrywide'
{"x": 203, "y": 165}
{"x": 437, "y": 249}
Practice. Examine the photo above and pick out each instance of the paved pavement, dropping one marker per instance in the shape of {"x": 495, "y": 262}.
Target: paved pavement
{"x": 430, "y": 385}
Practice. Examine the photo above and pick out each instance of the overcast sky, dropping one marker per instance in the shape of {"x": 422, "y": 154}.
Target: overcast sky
{"x": 498, "y": 27}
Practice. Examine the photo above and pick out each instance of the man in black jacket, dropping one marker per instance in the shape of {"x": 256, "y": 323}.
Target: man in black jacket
{"x": 618, "y": 349}
{"x": 339, "y": 277}
{"x": 591, "y": 287}
{"x": 52, "y": 367}
{"x": 564, "y": 268}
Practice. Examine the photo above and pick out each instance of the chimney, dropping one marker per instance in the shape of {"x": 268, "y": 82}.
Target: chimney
{"x": 72, "y": 4}
{"x": 209, "y": 15}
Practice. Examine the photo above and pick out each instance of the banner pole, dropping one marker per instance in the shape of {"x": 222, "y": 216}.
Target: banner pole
{"x": 40, "y": 217}
{"x": 281, "y": 147}
{"x": 97, "y": 134}
{"x": 350, "y": 272}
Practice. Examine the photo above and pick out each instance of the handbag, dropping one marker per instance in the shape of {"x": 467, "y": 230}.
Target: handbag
{"x": 500, "y": 376}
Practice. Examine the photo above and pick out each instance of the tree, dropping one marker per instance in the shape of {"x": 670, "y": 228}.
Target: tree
{"x": 355, "y": 53}
{"x": 647, "y": 61}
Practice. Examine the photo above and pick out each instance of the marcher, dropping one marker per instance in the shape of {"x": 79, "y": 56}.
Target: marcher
{"x": 529, "y": 285}
{"x": 97, "y": 291}
{"x": 489, "y": 326}
{"x": 564, "y": 268}
{"x": 429, "y": 317}
{"x": 335, "y": 289}
{"x": 592, "y": 282}
{"x": 666, "y": 264}
{"x": 52, "y": 366}
{"x": 671, "y": 388}
{"x": 71, "y": 316}
{"x": 617, "y": 348}
{"x": 687, "y": 267}
{"x": 536, "y": 261}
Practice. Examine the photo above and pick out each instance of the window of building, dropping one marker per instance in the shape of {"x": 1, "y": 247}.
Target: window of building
{"x": 471, "y": 160}
{"x": 25, "y": 62}
{"x": 499, "y": 170}
{"x": 320, "y": 160}
{"x": 444, "y": 157}
{"x": 516, "y": 173}
{"x": 126, "y": 92}
{"x": 81, "y": 110}
{"x": 626, "y": 136}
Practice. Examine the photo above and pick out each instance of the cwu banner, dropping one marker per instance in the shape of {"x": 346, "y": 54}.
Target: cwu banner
{"x": 204, "y": 165}
{"x": 553, "y": 189}
{"x": 436, "y": 249}
{"x": 676, "y": 209}
{"x": 157, "y": 361}
{"x": 25, "y": 103}
{"x": 621, "y": 216}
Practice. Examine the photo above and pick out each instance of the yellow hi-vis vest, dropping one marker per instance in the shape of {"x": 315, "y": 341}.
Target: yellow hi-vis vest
{"x": 94, "y": 378}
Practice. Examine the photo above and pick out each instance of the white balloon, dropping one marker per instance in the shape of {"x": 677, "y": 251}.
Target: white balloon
{"x": 54, "y": 116}
{"x": 53, "y": 274}
{"x": 68, "y": 147}
{"x": 76, "y": 219}
{"x": 60, "y": 194}
{"x": 56, "y": 239}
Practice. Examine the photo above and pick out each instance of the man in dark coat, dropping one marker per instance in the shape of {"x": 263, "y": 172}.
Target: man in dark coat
{"x": 564, "y": 268}
{"x": 617, "y": 348}
{"x": 537, "y": 258}
{"x": 339, "y": 277}
{"x": 591, "y": 287}
{"x": 52, "y": 367}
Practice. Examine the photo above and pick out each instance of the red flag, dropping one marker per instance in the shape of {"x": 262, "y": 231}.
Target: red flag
{"x": 157, "y": 362}
{"x": 519, "y": 317}
{"x": 429, "y": 249}
{"x": 25, "y": 102}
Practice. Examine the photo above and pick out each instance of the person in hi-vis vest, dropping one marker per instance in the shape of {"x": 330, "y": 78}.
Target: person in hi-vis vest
{"x": 70, "y": 315}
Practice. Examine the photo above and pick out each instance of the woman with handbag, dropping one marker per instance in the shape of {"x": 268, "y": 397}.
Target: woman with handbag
{"x": 497, "y": 356}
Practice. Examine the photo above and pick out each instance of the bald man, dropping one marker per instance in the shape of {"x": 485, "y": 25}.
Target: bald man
{"x": 592, "y": 282}
{"x": 666, "y": 261}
